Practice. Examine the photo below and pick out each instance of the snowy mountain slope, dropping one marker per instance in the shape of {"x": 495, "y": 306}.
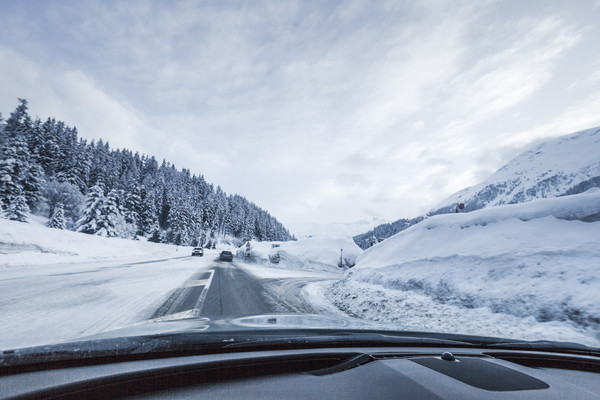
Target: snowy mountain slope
{"x": 559, "y": 166}
{"x": 527, "y": 271}
{"x": 334, "y": 229}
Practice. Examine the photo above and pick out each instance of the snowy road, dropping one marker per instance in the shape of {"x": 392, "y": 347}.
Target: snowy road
{"x": 52, "y": 303}
{"x": 234, "y": 293}
{"x": 231, "y": 290}
{"x": 224, "y": 291}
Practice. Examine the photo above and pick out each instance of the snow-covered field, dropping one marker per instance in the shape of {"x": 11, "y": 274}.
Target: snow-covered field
{"x": 527, "y": 271}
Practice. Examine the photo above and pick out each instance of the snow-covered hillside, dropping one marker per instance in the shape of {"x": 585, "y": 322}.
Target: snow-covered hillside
{"x": 527, "y": 271}
{"x": 561, "y": 166}
{"x": 564, "y": 165}
{"x": 35, "y": 244}
{"x": 334, "y": 229}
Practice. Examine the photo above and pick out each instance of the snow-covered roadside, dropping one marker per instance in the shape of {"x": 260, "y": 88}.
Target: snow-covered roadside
{"x": 269, "y": 272}
{"x": 527, "y": 271}
{"x": 405, "y": 310}
{"x": 319, "y": 254}
{"x": 34, "y": 244}
{"x": 58, "y": 285}
{"x": 54, "y": 303}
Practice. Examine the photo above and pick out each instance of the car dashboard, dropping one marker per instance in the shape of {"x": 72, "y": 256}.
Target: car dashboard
{"x": 328, "y": 373}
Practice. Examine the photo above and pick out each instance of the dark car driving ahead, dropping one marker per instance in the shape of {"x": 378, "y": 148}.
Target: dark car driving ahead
{"x": 226, "y": 255}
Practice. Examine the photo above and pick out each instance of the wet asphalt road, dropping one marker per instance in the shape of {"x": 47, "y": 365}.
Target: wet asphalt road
{"x": 225, "y": 291}
{"x": 234, "y": 293}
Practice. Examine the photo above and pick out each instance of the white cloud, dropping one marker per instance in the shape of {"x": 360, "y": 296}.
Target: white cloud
{"x": 507, "y": 77}
{"x": 579, "y": 116}
{"x": 315, "y": 111}
{"x": 73, "y": 97}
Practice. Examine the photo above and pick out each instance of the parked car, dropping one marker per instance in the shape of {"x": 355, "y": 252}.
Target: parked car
{"x": 226, "y": 255}
{"x": 198, "y": 251}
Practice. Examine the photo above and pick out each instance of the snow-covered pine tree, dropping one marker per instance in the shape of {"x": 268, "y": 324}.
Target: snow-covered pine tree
{"x": 17, "y": 175}
{"x": 94, "y": 201}
{"x": 17, "y": 209}
{"x": 133, "y": 204}
{"x": 50, "y": 149}
{"x": 19, "y": 123}
{"x": 35, "y": 140}
{"x": 73, "y": 165}
{"x": 213, "y": 234}
{"x": 202, "y": 238}
{"x": 9, "y": 185}
{"x": 68, "y": 195}
{"x": 156, "y": 233}
{"x": 147, "y": 215}
{"x": 58, "y": 218}
{"x": 99, "y": 157}
{"x": 22, "y": 163}
{"x": 108, "y": 221}
{"x": 33, "y": 185}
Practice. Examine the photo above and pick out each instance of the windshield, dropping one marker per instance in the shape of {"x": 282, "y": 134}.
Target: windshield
{"x": 419, "y": 166}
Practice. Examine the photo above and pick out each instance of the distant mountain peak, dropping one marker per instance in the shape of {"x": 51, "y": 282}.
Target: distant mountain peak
{"x": 559, "y": 166}
{"x": 556, "y": 167}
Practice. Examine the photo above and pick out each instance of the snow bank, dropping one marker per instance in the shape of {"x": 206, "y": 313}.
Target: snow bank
{"x": 491, "y": 231}
{"x": 531, "y": 269}
{"x": 312, "y": 253}
{"x": 35, "y": 244}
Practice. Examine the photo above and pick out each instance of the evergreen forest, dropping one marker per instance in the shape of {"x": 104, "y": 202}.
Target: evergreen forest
{"x": 47, "y": 169}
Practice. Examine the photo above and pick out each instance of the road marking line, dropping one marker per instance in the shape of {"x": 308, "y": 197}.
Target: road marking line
{"x": 202, "y": 296}
{"x": 199, "y": 282}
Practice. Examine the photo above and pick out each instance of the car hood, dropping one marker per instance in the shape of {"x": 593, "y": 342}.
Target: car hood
{"x": 175, "y": 334}
{"x": 186, "y": 334}
{"x": 191, "y": 322}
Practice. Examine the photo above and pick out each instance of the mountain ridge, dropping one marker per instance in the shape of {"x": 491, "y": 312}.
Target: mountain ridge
{"x": 568, "y": 164}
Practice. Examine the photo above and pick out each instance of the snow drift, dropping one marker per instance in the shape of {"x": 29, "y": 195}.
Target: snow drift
{"x": 516, "y": 265}
{"x": 311, "y": 253}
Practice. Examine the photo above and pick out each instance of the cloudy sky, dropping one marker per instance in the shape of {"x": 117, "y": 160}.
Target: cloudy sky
{"x": 314, "y": 110}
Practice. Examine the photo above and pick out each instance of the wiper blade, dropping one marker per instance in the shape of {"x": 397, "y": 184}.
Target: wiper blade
{"x": 159, "y": 346}
{"x": 342, "y": 339}
{"x": 542, "y": 345}
{"x": 193, "y": 343}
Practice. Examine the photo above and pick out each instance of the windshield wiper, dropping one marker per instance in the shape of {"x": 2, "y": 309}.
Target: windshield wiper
{"x": 342, "y": 339}
{"x": 185, "y": 343}
{"x": 543, "y": 345}
{"x": 188, "y": 343}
